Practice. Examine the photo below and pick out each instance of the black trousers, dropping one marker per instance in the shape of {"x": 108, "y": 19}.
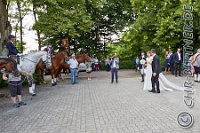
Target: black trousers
{"x": 155, "y": 83}
{"x": 178, "y": 68}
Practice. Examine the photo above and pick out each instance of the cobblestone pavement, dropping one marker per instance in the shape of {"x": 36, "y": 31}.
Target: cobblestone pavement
{"x": 98, "y": 106}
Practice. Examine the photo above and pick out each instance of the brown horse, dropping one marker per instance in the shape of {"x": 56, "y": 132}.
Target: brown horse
{"x": 82, "y": 58}
{"x": 40, "y": 67}
{"x": 10, "y": 65}
{"x": 58, "y": 63}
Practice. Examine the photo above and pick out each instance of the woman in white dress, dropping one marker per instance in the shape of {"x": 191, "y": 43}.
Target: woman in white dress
{"x": 165, "y": 84}
{"x": 148, "y": 72}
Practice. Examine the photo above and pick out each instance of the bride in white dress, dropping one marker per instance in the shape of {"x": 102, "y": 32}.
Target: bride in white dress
{"x": 165, "y": 84}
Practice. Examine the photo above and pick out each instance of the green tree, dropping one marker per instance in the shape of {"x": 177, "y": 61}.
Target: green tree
{"x": 57, "y": 17}
{"x": 159, "y": 25}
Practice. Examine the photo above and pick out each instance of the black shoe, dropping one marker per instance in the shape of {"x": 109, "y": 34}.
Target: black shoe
{"x": 152, "y": 91}
{"x": 16, "y": 105}
{"x": 22, "y": 103}
{"x": 158, "y": 91}
{"x": 142, "y": 81}
{"x": 196, "y": 81}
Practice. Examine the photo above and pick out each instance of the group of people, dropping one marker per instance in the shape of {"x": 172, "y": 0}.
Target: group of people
{"x": 173, "y": 62}
{"x": 151, "y": 70}
{"x": 149, "y": 66}
{"x": 14, "y": 81}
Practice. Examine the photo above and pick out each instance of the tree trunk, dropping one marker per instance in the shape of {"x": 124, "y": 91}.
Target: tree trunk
{"x": 5, "y": 27}
{"x": 21, "y": 24}
{"x": 38, "y": 32}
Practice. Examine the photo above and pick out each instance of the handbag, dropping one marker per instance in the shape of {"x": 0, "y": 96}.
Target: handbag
{"x": 89, "y": 69}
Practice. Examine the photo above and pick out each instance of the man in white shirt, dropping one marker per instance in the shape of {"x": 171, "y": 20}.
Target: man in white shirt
{"x": 73, "y": 68}
{"x": 114, "y": 68}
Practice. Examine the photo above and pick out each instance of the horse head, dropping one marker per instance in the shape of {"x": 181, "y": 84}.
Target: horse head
{"x": 9, "y": 65}
{"x": 87, "y": 58}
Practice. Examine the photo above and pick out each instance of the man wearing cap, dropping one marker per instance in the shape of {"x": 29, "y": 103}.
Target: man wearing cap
{"x": 73, "y": 68}
{"x": 11, "y": 46}
{"x": 12, "y": 50}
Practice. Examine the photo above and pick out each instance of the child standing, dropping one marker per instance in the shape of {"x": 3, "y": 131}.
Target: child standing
{"x": 88, "y": 70}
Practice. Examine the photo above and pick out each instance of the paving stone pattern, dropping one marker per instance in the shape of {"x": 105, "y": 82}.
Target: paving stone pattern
{"x": 98, "y": 106}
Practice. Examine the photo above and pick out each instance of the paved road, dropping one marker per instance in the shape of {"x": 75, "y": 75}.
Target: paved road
{"x": 98, "y": 106}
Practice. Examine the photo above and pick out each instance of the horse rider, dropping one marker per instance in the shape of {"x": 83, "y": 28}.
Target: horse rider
{"x": 12, "y": 50}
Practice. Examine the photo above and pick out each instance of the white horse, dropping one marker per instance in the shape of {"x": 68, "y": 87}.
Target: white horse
{"x": 28, "y": 64}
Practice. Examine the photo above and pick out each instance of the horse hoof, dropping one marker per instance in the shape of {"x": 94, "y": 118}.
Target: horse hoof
{"x": 33, "y": 94}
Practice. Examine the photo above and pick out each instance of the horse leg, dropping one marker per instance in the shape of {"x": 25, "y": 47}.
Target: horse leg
{"x": 42, "y": 76}
{"x": 31, "y": 86}
{"x": 52, "y": 80}
{"x": 55, "y": 78}
{"x": 52, "y": 76}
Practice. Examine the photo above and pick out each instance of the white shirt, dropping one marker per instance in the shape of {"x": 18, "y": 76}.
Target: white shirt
{"x": 114, "y": 64}
{"x": 179, "y": 56}
{"x": 73, "y": 63}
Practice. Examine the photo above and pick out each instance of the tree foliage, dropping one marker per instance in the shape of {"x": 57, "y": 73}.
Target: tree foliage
{"x": 88, "y": 24}
{"x": 159, "y": 25}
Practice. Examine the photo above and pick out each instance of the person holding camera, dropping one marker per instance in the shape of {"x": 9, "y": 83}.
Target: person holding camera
{"x": 114, "y": 68}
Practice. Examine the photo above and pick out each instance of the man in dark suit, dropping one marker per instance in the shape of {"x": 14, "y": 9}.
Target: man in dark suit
{"x": 141, "y": 66}
{"x": 11, "y": 46}
{"x": 12, "y": 50}
{"x": 171, "y": 62}
{"x": 156, "y": 69}
{"x": 178, "y": 62}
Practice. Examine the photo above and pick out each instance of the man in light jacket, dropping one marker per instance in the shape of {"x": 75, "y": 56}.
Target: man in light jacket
{"x": 114, "y": 68}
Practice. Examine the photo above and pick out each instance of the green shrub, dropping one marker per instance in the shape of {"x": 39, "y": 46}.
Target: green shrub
{"x": 3, "y": 83}
{"x": 127, "y": 64}
{"x": 123, "y": 64}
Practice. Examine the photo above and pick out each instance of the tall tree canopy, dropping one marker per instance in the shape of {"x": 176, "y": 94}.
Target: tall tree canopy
{"x": 88, "y": 24}
{"x": 159, "y": 25}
